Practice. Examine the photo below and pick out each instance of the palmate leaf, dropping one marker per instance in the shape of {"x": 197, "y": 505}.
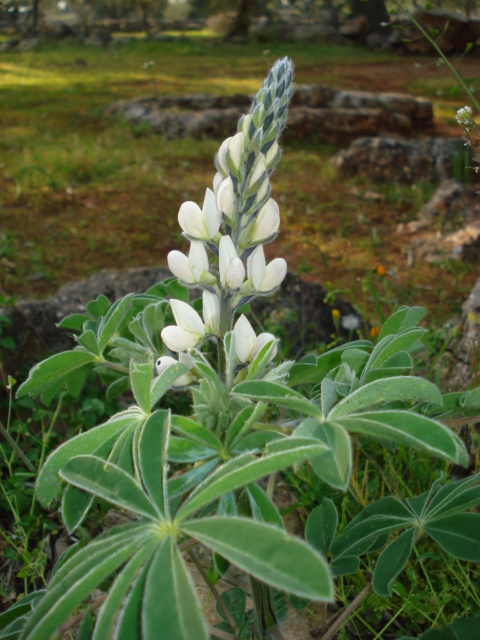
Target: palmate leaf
{"x": 79, "y": 576}
{"x": 454, "y": 497}
{"x": 376, "y": 520}
{"x": 410, "y": 429}
{"x": 246, "y": 469}
{"x": 152, "y": 459}
{"x": 49, "y": 484}
{"x": 267, "y": 553}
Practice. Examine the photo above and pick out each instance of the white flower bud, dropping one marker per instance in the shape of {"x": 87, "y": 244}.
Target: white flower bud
{"x": 262, "y": 192}
{"x": 265, "y": 278}
{"x": 200, "y": 224}
{"x": 259, "y": 169}
{"x": 247, "y": 345}
{"x": 226, "y": 198}
{"x": 191, "y": 269}
{"x": 267, "y": 222}
{"x": 189, "y": 330}
{"x": 222, "y": 156}
{"x": 236, "y": 148}
{"x": 211, "y": 311}
{"x": 232, "y": 271}
{"x": 244, "y": 339}
{"x": 166, "y": 362}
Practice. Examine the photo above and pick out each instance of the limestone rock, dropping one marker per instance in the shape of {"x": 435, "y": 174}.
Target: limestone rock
{"x": 462, "y": 367}
{"x": 389, "y": 159}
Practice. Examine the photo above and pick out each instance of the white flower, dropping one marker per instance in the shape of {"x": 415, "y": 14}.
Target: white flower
{"x": 247, "y": 345}
{"x": 350, "y": 322}
{"x": 189, "y": 330}
{"x": 226, "y": 198}
{"x": 200, "y": 224}
{"x": 232, "y": 271}
{"x": 259, "y": 168}
{"x": 267, "y": 222}
{"x": 236, "y": 147}
{"x": 166, "y": 362}
{"x": 464, "y": 116}
{"x": 265, "y": 277}
{"x": 222, "y": 156}
{"x": 211, "y": 311}
{"x": 191, "y": 269}
{"x": 217, "y": 181}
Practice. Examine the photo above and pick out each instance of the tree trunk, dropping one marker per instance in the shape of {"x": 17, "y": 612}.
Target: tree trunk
{"x": 374, "y": 11}
{"x": 35, "y": 15}
{"x": 241, "y": 23}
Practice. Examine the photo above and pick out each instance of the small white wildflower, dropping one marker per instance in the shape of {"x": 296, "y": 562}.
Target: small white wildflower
{"x": 350, "y": 322}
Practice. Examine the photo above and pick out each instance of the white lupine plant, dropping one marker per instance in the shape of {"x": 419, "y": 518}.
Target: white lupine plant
{"x": 191, "y": 482}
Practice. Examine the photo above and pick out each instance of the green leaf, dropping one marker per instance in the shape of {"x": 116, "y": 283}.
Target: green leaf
{"x": 140, "y": 380}
{"x": 242, "y": 423}
{"x": 112, "y": 321}
{"x": 89, "y": 340}
{"x": 118, "y": 591}
{"x": 345, "y": 565}
{"x": 76, "y": 379}
{"x": 195, "y": 432}
{"x": 108, "y": 482}
{"x": 267, "y": 553}
{"x": 98, "y": 307}
{"x": 379, "y": 518}
{"x": 468, "y": 47}
{"x": 236, "y": 603}
{"x": 403, "y": 319}
{"x": 75, "y": 506}
{"x": 321, "y": 526}
{"x": 74, "y": 322}
{"x": 410, "y": 429}
{"x": 261, "y": 360}
{"x": 391, "y": 562}
{"x": 48, "y": 483}
{"x": 276, "y": 394}
{"x": 454, "y": 497}
{"x": 170, "y": 603}
{"x": 387, "y": 390}
{"x": 162, "y": 383}
{"x": 334, "y": 466}
{"x": 245, "y": 469}
{"x": 130, "y": 620}
{"x": 117, "y": 387}
{"x": 457, "y": 534}
{"x": 22, "y": 607}
{"x": 391, "y": 344}
{"x": 52, "y": 372}
{"x": 152, "y": 458}
{"x": 184, "y": 451}
{"x": 263, "y": 509}
{"x": 190, "y": 479}
{"x": 62, "y": 599}
{"x": 230, "y": 358}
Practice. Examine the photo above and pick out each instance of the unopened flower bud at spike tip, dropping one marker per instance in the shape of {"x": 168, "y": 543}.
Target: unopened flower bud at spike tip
{"x": 235, "y": 149}
{"x": 222, "y": 156}
{"x": 259, "y": 169}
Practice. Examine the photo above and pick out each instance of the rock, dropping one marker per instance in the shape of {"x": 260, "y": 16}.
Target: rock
{"x": 463, "y": 244}
{"x": 315, "y": 32}
{"x": 29, "y": 44}
{"x": 454, "y": 31}
{"x": 452, "y": 204}
{"x": 9, "y": 45}
{"x": 33, "y": 322}
{"x": 461, "y": 366}
{"x": 313, "y": 95}
{"x": 389, "y": 159}
{"x": 355, "y": 28}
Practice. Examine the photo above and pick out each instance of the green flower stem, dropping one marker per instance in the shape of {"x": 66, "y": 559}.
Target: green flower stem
{"x": 213, "y": 591}
{"x": 459, "y": 78}
{"x": 114, "y": 366}
{"x": 17, "y": 449}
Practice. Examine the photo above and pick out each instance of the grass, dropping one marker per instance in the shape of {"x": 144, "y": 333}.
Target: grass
{"x": 80, "y": 191}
